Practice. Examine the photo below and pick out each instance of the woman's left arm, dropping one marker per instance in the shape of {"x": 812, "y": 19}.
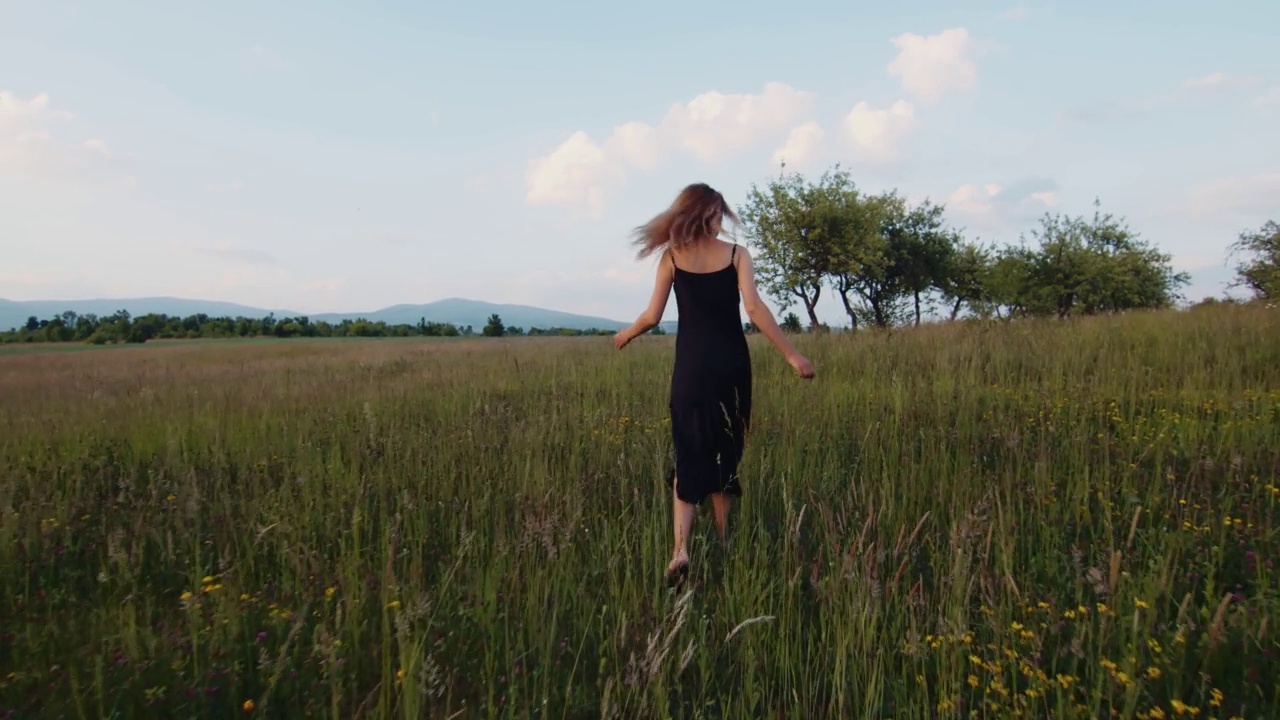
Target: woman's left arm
{"x": 652, "y": 315}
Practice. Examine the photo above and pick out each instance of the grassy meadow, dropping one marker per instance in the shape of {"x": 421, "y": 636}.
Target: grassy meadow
{"x": 1038, "y": 519}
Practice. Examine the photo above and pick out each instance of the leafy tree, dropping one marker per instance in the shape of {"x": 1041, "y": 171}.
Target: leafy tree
{"x": 494, "y": 328}
{"x": 967, "y": 279}
{"x": 859, "y": 251}
{"x": 792, "y": 226}
{"x": 1085, "y": 267}
{"x": 1260, "y": 271}
{"x": 869, "y": 273}
{"x": 921, "y": 249}
{"x": 791, "y": 323}
{"x": 1008, "y": 281}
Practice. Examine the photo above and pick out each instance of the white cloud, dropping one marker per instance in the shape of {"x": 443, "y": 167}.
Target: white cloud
{"x": 1243, "y": 196}
{"x": 714, "y": 126}
{"x": 14, "y": 110}
{"x": 930, "y": 66}
{"x": 876, "y": 133}
{"x": 1217, "y": 82}
{"x": 1048, "y": 198}
{"x": 992, "y": 205}
{"x": 711, "y": 127}
{"x": 1270, "y": 97}
{"x": 29, "y": 147}
{"x": 637, "y": 144}
{"x": 973, "y": 200}
{"x": 578, "y": 172}
{"x": 800, "y": 147}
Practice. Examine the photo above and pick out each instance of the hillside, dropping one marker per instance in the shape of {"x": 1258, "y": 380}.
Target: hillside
{"x": 462, "y": 312}
{"x": 459, "y": 311}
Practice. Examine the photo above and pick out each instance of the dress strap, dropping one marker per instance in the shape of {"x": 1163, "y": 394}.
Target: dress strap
{"x": 733, "y": 254}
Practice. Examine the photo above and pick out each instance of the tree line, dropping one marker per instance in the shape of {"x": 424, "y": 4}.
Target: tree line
{"x": 890, "y": 262}
{"x": 121, "y": 327}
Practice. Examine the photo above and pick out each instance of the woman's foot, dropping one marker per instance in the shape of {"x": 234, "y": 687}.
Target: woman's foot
{"x": 678, "y": 569}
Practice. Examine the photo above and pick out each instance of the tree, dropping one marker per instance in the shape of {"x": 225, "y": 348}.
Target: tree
{"x": 791, "y": 323}
{"x": 921, "y": 249}
{"x": 1008, "y": 283}
{"x": 967, "y": 280}
{"x": 871, "y": 266}
{"x": 790, "y": 225}
{"x": 494, "y": 328}
{"x": 859, "y": 246}
{"x": 1086, "y": 267}
{"x": 1260, "y": 271}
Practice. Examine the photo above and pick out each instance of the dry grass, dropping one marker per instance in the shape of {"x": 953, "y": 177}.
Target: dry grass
{"x": 1033, "y": 520}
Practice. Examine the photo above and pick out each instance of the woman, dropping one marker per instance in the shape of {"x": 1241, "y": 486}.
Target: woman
{"x": 711, "y": 383}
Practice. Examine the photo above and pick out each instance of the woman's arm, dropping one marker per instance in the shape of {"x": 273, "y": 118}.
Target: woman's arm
{"x": 652, "y": 315}
{"x": 763, "y": 319}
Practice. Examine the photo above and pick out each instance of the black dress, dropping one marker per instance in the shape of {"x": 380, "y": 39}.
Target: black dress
{"x": 710, "y": 384}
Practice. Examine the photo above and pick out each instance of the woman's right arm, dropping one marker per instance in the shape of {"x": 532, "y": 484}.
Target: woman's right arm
{"x": 763, "y": 319}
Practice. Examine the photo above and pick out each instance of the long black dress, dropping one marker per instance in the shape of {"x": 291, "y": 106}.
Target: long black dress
{"x": 710, "y": 384}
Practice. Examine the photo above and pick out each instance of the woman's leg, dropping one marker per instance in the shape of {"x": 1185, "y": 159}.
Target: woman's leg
{"x": 682, "y": 516}
{"x": 721, "y": 503}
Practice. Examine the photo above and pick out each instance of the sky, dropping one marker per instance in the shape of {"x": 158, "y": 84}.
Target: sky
{"x": 345, "y": 157}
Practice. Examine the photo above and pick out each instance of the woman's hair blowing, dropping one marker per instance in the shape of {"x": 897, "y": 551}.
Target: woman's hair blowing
{"x": 690, "y": 218}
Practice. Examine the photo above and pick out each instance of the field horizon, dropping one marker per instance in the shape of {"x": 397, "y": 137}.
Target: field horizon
{"x": 977, "y": 519}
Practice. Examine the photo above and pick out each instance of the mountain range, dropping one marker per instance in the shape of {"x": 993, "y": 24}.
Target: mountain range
{"x": 459, "y": 311}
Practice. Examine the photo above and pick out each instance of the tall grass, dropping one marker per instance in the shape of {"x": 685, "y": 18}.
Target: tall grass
{"x": 1029, "y": 520}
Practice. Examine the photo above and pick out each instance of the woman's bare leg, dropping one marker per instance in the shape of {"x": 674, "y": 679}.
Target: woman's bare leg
{"x": 721, "y": 503}
{"x": 682, "y": 516}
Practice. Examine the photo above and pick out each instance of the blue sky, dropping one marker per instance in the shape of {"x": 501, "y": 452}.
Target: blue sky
{"x": 319, "y": 157}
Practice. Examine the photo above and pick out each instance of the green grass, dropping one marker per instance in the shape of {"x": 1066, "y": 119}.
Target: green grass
{"x": 1029, "y": 520}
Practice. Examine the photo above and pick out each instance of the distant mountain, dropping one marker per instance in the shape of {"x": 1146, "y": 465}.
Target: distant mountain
{"x": 459, "y": 311}
{"x": 462, "y": 312}
{"x": 14, "y": 313}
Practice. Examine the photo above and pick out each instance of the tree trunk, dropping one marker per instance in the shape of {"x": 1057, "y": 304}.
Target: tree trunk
{"x": 878, "y": 312}
{"x": 813, "y": 316}
{"x": 917, "y": 299}
{"x": 810, "y": 306}
{"x": 848, "y": 307}
{"x": 955, "y": 309}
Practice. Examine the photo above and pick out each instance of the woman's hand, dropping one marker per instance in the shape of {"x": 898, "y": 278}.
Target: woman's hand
{"x": 801, "y": 365}
{"x": 621, "y": 339}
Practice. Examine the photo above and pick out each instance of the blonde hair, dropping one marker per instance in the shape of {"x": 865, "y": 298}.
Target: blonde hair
{"x": 691, "y": 217}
